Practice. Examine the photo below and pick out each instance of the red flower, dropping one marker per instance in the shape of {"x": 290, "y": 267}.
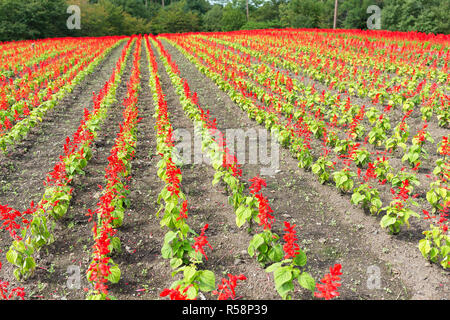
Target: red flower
{"x": 328, "y": 288}
{"x": 290, "y": 247}
{"x": 18, "y": 292}
{"x": 172, "y": 177}
{"x": 226, "y": 289}
{"x": 257, "y": 182}
{"x": 427, "y": 215}
{"x": 416, "y": 167}
{"x": 202, "y": 241}
{"x": 264, "y": 212}
{"x": 183, "y": 212}
{"x": 175, "y": 294}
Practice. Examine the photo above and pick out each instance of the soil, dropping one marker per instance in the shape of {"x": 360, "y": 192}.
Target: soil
{"x": 329, "y": 228}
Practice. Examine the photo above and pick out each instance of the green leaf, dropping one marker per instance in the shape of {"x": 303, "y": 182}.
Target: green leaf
{"x": 424, "y": 247}
{"x": 306, "y": 281}
{"x": 282, "y": 275}
{"x": 207, "y": 280}
{"x": 300, "y": 259}
{"x": 251, "y": 249}
{"x": 166, "y": 251}
{"x": 357, "y": 198}
{"x": 276, "y": 253}
{"x": 217, "y": 177}
{"x": 432, "y": 197}
{"x": 114, "y": 277}
{"x": 11, "y": 256}
{"x": 433, "y": 253}
{"x": 284, "y": 289}
{"x": 17, "y": 274}
{"x": 175, "y": 263}
{"x": 116, "y": 244}
{"x": 192, "y": 293}
{"x": 170, "y": 235}
{"x": 387, "y": 220}
{"x": 273, "y": 267}
{"x": 29, "y": 264}
{"x": 189, "y": 273}
{"x": 240, "y": 218}
{"x": 342, "y": 179}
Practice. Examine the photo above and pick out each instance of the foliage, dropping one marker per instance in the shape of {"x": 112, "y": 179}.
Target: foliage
{"x": 174, "y": 19}
{"x": 232, "y": 18}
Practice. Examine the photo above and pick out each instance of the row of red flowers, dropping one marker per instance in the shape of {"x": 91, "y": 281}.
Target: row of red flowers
{"x": 77, "y": 151}
{"x": 264, "y": 210}
{"x": 110, "y": 208}
{"x": 204, "y": 280}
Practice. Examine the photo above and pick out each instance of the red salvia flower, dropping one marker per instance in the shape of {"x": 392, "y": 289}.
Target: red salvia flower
{"x": 264, "y": 215}
{"x": 202, "y": 241}
{"x": 257, "y": 184}
{"x": 291, "y": 248}
{"x": 328, "y": 288}
{"x": 175, "y": 294}
{"x": 183, "y": 212}
{"x": 4, "y": 290}
{"x": 226, "y": 290}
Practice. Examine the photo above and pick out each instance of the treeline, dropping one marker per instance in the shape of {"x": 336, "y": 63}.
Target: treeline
{"x": 32, "y": 19}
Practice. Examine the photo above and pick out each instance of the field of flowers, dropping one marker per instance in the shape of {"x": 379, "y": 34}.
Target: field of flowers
{"x": 97, "y": 203}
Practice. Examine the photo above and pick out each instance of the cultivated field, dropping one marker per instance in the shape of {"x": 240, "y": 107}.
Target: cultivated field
{"x": 266, "y": 164}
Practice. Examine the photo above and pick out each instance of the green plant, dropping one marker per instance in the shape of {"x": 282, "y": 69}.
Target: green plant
{"x": 368, "y": 197}
{"x": 436, "y": 245}
{"x": 361, "y": 157}
{"x": 289, "y": 269}
{"x": 343, "y": 179}
{"x": 266, "y": 247}
{"x": 321, "y": 168}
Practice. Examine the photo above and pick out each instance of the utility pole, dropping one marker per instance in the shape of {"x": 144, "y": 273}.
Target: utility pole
{"x": 335, "y": 13}
{"x": 246, "y": 7}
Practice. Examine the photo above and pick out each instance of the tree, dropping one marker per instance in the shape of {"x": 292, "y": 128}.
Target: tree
{"x": 232, "y": 18}
{"x": 212, "y": 19}
{"x": 416, "y": 15}
{"x": 105, "y": 18}
{"x": 302, "y": 13}
{"x": 266, "y": 11}
{"x": 175, "y": 18}
{"x": 32, "y": 19}
{"x": 137, "y": 8}
{"x": 356, "y": 13}
{"x": 199, "y": 6}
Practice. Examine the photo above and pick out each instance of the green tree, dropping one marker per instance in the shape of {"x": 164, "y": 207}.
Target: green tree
{"x": 32, "y": 19}
{"x": 355, "y": 12}
{"x": 267, "y": 11}
{"x": 302, "y": 13}
{"x": 199, "y": 6}
{"x": 416, "y": 15}
{"x": 232, "y": 18}
{"x": 212, "y": 19}
{"x": 139, "y": 8}
{"x": 175, "y": 18}
{"x": 104, "y": 18}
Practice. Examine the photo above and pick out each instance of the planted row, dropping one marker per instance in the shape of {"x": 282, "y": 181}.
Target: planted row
{"x": 113, "y": 201}
{"x": 57, "y": 194}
